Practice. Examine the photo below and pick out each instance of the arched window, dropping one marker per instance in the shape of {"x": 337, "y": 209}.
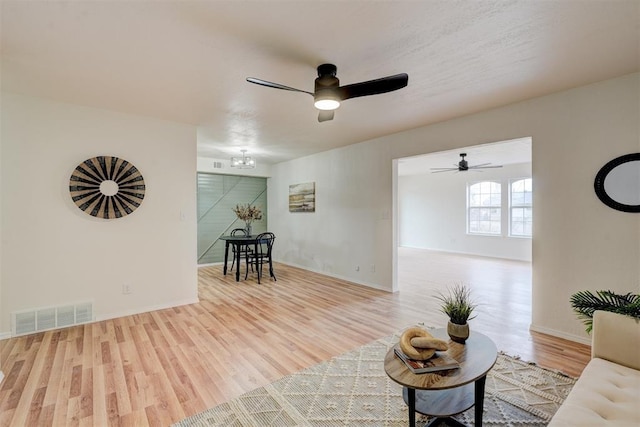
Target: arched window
{"x": 484, "y": 204}
{"x": 521, "y": 215}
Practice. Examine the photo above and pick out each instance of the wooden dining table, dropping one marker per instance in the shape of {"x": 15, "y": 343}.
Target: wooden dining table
{"x": 238, "y": 242}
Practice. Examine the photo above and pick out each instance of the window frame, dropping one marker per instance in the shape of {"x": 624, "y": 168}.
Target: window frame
{"x": 523, "y": 205}
{"x": 469, "y": 208}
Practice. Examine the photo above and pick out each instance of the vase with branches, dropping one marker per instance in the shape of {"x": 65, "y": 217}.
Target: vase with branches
{"x": 248, "y": 214}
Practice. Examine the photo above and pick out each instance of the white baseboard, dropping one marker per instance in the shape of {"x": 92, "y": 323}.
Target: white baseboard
{"x": 1, "y": 377}
{"x": 5, "y": 335}
{"x": 482, "y": 255}
{"x": 335, "y": 276}
{"x": 304, "y": 267}
{"x": 560, "y": 334}
{"x": 210, "y": 264}
{"x": 145, "y": 309}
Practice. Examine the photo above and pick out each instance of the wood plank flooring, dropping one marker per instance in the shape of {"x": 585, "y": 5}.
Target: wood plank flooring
{"x": 159, "y": 367}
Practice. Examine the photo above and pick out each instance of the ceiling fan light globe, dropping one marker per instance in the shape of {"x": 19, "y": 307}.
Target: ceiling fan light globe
{"x": 326, "y": 104}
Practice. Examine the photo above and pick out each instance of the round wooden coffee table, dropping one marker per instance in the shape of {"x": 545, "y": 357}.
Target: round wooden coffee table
{"x": 447, "y": 393}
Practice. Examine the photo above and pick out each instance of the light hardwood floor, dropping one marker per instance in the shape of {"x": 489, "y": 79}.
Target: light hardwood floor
{"x": 159, "y": 367}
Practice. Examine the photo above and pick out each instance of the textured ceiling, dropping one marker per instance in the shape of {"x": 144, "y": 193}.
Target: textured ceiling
{"x": 187, "y": 61}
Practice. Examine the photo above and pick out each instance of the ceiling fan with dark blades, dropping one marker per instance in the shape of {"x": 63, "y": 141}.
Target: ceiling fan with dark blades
{"x": 463, "y": 165}
{"x": 328, "y": 94}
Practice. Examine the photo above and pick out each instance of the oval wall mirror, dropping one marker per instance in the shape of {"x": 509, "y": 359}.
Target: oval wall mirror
{"x": 617, "y": 184}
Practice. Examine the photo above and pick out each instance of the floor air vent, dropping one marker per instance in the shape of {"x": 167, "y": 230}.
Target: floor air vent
{"x": 46, "y": 318}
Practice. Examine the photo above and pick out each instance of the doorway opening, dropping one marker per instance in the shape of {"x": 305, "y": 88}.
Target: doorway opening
{"x": 471, "y": 226}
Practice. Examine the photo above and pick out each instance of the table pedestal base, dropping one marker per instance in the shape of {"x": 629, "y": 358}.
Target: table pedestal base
{"x": 449, "y": 422}
{"x": 443, "y": 404}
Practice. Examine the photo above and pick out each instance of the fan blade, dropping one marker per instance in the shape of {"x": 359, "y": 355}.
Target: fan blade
{"x": 275, "y": 85}
{"x": 438, "y": 170}
{"x": 484, "y": 167}
{"x": 374, "y": 87}
{"x": 325, "y": 115}
{"x": 480, "y": 165}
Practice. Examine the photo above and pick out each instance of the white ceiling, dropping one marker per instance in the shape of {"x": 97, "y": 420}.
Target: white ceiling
{"x": 187, "y": 61}
{"x": 498, "y": 153}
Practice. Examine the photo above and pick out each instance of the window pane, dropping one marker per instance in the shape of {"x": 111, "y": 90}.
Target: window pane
{"x": 484, "y": 207}
{"x": 516, "y": 215}
{"x": 528, "y": 198}
{"x": 517, "y": 198}
{"x": 516, "y": 228}
{"x": 521, "y": 212}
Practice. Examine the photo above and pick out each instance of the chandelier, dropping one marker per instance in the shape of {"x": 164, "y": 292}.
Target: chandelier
{"x": 244, "y": 162}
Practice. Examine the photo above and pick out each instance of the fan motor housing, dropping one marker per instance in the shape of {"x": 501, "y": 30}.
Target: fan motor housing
{"x": 326, "y": 78}
{"x": 327, "y": 70}
{"x": 326, "y": 86}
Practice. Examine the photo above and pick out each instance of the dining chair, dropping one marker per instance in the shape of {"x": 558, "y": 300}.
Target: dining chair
{"x": 237, "y": 254}
{"x": 261, "y": 253}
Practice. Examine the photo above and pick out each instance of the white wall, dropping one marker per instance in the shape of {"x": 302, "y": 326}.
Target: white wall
{"x": 578, "y": 243}
{"x": 52, "y": 252}
{"x": 432, "y": 213}
{"x": 350, "y": 228}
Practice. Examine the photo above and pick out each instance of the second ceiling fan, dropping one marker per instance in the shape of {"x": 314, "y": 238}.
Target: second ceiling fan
{"x": 463, "y": 165}
{"x": 328, "y": 93}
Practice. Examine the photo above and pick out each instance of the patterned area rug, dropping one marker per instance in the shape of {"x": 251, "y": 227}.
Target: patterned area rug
{"x": 353, "y": 389}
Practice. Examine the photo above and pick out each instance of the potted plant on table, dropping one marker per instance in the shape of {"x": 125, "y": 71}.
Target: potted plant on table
{"x": 248, "y": 214}
{"x": 458, "y": 305}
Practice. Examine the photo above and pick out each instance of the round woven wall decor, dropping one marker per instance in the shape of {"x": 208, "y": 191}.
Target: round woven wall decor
{"x": 106, "y": 187}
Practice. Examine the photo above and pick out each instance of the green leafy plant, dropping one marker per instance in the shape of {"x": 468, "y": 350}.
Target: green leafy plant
{"x": 584, "y": 303}
{"x": 457, "y": 304}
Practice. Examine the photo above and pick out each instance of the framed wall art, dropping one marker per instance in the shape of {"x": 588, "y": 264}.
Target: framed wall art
{"x": 302, "y": 197}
